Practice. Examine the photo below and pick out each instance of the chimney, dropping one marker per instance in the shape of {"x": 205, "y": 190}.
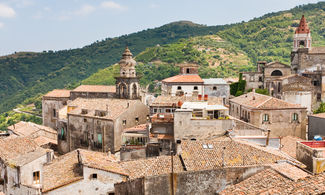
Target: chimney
{"x": 206, "y": 97}
{"x": 178, "y": 147}
{"x": 199, "y": 97}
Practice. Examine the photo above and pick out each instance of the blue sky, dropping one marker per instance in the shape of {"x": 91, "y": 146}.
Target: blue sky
{"x": 37, "y": 25}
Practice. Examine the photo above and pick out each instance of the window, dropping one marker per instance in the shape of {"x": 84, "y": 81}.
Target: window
{"x": 124, "y": 122}
{"x": 295, "y": 117}
{"x": 168, "y": 110}
{"x": 265, "y": 118}
{"x": 260, "y": 79}
{"x": 187, "y": 70}
{"x": 214, "y": 88}
{"x": 36, "y": 178}
{"x": 195, "y": 88}
{"x": 85, "y": 120}
{"x": 179, "y": 87}
{"x": 99, "y": 137}
{"x": 62, "y": 134}
{"x": 84, "y": 111}
{"x": 54, "y": 113}
{"x": 155, "y": 110}
{"x": 276, "y": 73}
{"x": 197, "y": 113}
{"x": 93, "y": 176}
{"x": 137, "y": 120}
{"x": 319, "y": 97}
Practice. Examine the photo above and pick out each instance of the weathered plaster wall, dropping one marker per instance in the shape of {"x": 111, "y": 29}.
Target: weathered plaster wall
{"x": 186, "y": 128}
{"x": 223, "y": 90}
{"x": 315, "y": 126}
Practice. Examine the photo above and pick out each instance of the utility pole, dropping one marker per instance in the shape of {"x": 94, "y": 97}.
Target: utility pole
{"x": 172, "y": 167}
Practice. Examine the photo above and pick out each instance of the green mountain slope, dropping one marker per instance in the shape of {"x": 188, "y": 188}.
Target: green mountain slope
{"x": 265, "y": 38}
{"x": 24, "y": 75}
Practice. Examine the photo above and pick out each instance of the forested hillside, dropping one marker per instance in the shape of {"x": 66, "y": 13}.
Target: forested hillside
{"x": 220, "y": 50}
{"x": 25, "y": 75}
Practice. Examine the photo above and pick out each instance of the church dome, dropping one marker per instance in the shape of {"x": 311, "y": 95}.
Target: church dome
{"x": 127, "y": 59}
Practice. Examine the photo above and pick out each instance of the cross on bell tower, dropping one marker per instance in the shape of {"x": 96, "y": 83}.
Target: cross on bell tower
{"x": 127, "y": 83}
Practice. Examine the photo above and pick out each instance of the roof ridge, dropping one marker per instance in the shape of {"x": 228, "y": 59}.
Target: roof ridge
{"x": 264, "y": 102}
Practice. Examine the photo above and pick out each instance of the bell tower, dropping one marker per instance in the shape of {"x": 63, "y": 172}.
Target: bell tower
{"x": 127, "y": 82}
{"x": 302, "y": 37}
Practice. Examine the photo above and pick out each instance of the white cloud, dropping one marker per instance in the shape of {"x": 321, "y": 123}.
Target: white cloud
{"x": 1, "y": 25}
{"x": 112, "y": 5}
{"x": 6, "y": 11}
{"x": 85, "y": 10}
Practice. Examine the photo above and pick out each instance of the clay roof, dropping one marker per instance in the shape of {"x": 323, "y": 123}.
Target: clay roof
{"x": 28, "y": 128}
{"x": 259, "y": 101}
{"x": 303, "y": 26}
{"x": 277, "y": 63}
{"x": 41, "y": 141}
{"x": 20, "y": 150}
{"x": 174, "y": 100}
{"x": 61, "y": 171}
{"x": 289, "y": 145}
{"x": 113, "y": 107}
{"x": 142, "y": 127}
{"x": 189, "y": 78}
{"x": 280, "y": 179}
{"x": 96, "y": 88}
{"x": 162, "y": 118}
{"x": 207, "y": 154}
{"x": 151, "y": 166}
{"x": 66, "y": 169}
{"x": 102, "y": 161}
{"x": 319, "y": 115}
{"x": 62, "y": 93}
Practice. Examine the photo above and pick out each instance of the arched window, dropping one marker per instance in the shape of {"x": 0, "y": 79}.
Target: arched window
{"x": 179, "y": 87}
{"x": 301, "y": 43}
{"x": 135, "y": 94}
{"x": 276, "y": 73}
{"x": 214, "y": 88}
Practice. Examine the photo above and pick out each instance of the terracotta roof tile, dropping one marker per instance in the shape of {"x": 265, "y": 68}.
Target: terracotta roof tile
{"x": 207, "y": 154}
{"x": 102, "y": 161}
{"x": 259, "y": 101}
{"x": 12, "y": 149}
{"x": 61, "y": 171}
{"x": 184, "y": 79}
{"x": 280, "y": 179}
{"x": 96, "y": 88}
{"x": 151, "y": 166}
{"x": 115, "y": 107}
{"x": 63, "y": 93}
{"x": 41, "y": 141}
{"x": 303, "y": 26}
{"x": 23, "y": 128}
{"x": 319, "y": 115}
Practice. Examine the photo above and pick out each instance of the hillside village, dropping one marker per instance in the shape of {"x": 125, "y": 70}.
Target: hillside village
{"x": 196, "y": 137}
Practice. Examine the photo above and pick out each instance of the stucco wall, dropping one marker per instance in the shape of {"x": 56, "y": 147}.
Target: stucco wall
{"x": 304, "y": 98}
{"x": 223, "y": 90}
{"x": 185, "y": 127}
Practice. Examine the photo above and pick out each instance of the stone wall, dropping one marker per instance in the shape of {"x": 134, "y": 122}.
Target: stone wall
{"x": 194, "y": 182}
{"x": 50, "y": 110}
{"x": 254, "y": 80}
{"x": 76, "y": 94}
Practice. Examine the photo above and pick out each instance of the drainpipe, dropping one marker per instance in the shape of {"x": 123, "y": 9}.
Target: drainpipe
{"x": 268, "y": 137}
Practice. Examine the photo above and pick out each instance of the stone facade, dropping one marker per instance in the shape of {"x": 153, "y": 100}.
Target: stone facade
{"x": 88, "y": 128}
{"x": 269, "y": 113}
